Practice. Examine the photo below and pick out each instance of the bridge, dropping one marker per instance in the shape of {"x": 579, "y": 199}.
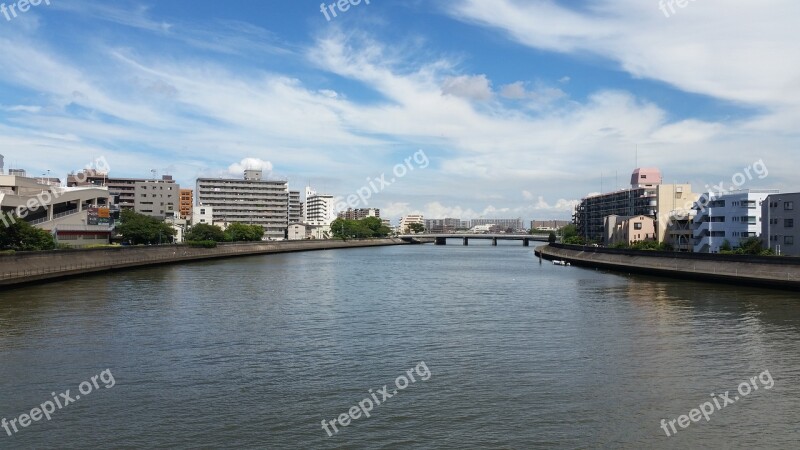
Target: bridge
{"x": 441, "y": 239}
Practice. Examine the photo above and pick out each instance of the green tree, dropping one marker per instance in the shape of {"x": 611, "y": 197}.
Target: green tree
{"x": 725, "y": 247}
{"x": 750, "y": 246}
{"x": 205, "y": 232}
{"x": 552, "y": 238}
{"x": 568, "y": 232}
{"x": 22, "y": 236}
{"x": 139, "y": 229}
{"x": 238, "y": 232}
{"x": 416, "y": 228}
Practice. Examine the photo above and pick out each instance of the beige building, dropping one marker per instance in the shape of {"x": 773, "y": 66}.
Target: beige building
{"x": 629, "y": 230}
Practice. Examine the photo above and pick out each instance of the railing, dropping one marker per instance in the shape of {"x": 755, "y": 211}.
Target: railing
{"x": 56, "y": 216}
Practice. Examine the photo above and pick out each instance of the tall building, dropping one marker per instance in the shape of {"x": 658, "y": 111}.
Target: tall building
{"x": 358, "y": 214}
{"x": 186, "y": 203}
{"x": 295, "y": 207}
{"x": 249, "y": 200}
{"x": 156, "y": 198}
{"x": 646, "y": 197}
{"x": 780, "y": 225}
{"x": 319, "y": 208}
{"x": 731, "y": 217}
{"x": 405, "y": 221}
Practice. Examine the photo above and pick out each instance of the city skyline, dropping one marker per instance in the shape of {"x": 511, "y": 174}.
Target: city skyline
{"x": 517, "y": 121}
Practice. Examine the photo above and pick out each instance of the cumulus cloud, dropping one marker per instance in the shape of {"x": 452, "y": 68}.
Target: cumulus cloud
{"x": 237, "y": 169}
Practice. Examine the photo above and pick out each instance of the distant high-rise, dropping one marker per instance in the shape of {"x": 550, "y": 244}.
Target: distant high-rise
{"x": 318, "y": 208}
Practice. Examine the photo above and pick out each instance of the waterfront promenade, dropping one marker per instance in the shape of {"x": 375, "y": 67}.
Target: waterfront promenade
{"x": 772, "y": 272}
{"x": 22, "y": 268}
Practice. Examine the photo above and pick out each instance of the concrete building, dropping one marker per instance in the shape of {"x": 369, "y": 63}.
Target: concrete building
{"x": 500, "y": 224}
{"x": 358, "y": 214}
{"x": 186, "y": 203}
{"x": 780, "y": 227}
{"x": 446, "y": 225}
{"x": 250, "y": 200}
{"x": 405, "y": 221}
{"x": 77, "y": 216}
{"x": 646, "y": 197}
{"x": 202, "y": 214}
{"x": 157, "y": 198}
{"x": 296, "y": 232}
{"x": 549, "y": 225}
{"x": 295, "y": 207}
{"x": 731, "y": 217}
{"x": 629, "y": 230}
{"x": 123, "y": 191}
{"x": 319, "y": 208}
{"x": 679, "y": 230}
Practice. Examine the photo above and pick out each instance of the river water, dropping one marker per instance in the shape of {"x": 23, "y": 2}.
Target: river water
{"x": 504, "y": 352}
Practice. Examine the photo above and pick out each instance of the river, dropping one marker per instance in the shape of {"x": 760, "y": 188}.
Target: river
{"x": 504, "y": 352}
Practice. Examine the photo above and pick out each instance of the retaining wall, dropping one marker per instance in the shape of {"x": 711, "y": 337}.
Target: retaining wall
{"x": 773, "y": 272}
{"x": 29, "y": 267}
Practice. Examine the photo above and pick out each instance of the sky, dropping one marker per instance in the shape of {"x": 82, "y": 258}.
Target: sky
{"x": 506, "y": 108}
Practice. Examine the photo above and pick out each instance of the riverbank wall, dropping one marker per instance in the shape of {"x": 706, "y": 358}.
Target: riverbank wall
{"x": 771, "y": 271}
{"x": 32, "y": 267}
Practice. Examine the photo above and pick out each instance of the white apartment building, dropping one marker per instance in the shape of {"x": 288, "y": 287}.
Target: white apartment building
{"x": 250, "y": 200}
{"x": 203, "y": 214}
{"x": 732, "y": 217}
{"x": 319, "y": 209}
{"x": 405, "y": 221}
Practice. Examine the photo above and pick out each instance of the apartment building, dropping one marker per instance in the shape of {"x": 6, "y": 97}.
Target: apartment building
{"x": 647, "y": 196}
{"x": 780, "y": 227}
{"x": 500, "y": 224}
{"x": 186, "y": 203}
{"x": 156, "y": 198}
{"x": 360, "y": 213}
{"x": 731, "y": 217}
{"x": 295, "y": 207}
{"x": 629, "y": 230}
{"x": 405, "y": 221}
{"x": 249, "y": 200}
{"x": 318, "y": 209}
{"x": 447, "y": 225}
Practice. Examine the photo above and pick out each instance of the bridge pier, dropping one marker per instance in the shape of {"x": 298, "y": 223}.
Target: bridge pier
{"x": 526, "y": 242}
{"x": 494, "y": 242}
{"x": 466, "y": 241}
{"x": 440, "y": 241}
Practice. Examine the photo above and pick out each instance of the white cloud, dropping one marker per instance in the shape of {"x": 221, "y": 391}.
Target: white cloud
{"x": 237, "y": 169}
{"x": 476, "y": 87}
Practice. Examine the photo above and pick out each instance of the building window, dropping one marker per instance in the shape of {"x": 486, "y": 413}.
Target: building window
{"x": 788, "y": 240}
{"x": 637, "y": 226}
{"x": 788, "y": 206}
{"x": 788, "y": 223}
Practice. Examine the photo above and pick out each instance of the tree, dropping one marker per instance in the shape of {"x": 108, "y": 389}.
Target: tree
{"x": 205, "y": 232}
{"x": 369, "y": 227}
{"x": 416, "y": 228}
{"x": 751, "y": 246}
{"x": 139, "y": 229}
{"x": 568, "y": 232}
{"x": 552, "y": 238}
{"x": 22, "y": 236}
{"x": 239, "y": 232}
{"x": 726, "y": 246}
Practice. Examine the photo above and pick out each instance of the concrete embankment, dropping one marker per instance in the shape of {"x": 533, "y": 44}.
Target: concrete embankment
{"x": 23, "y": 268}
{"x": 772, "y": 272}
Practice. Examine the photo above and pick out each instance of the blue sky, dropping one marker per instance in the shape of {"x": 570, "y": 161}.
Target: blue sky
{"x": 520, "y": 106}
